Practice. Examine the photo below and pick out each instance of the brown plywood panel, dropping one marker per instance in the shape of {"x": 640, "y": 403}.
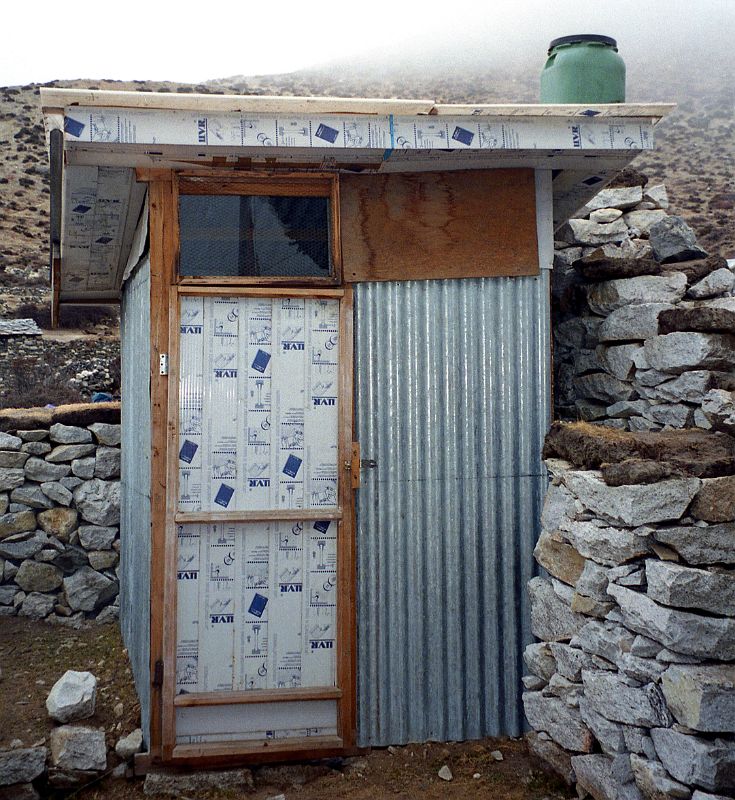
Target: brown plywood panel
{"x": 462, "y": 224}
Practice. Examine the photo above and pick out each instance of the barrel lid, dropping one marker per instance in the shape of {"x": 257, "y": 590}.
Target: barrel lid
{"x": 583, "y": 37}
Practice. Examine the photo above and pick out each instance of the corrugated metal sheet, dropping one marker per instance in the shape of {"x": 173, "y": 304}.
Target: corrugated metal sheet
{"x": 452, "y": 402}
{"x": 135, "y": 511}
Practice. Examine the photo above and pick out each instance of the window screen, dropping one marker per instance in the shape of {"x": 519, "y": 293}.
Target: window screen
{"x": 254, "y": 235}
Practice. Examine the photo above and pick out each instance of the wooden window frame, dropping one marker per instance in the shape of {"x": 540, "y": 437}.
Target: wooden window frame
{"x": 317, "y": 184}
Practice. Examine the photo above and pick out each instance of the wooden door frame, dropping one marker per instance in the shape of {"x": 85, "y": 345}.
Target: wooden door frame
{"x": 165, "y": 293}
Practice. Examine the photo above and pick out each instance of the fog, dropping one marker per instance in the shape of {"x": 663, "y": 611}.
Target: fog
{"x": 190, "y": 43}
{"x": 669, "y": 46}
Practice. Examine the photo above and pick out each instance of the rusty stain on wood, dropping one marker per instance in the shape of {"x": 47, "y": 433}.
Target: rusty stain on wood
{"x": 461, "y": 224}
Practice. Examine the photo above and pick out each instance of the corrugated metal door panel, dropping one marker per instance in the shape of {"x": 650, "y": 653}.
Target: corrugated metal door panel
{"x": 452, "y": 402}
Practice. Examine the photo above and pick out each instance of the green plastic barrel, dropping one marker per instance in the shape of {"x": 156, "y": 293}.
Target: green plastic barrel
{"x": 583, "y": 69}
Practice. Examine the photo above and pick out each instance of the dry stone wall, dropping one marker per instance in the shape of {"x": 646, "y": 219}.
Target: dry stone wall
{"x": 59, "y": 522}
{"x": 631, "y": 686}
{"x": 645, "y": 327}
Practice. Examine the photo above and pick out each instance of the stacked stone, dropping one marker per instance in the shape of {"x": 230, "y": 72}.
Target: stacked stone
{"x": 59, "y": 518}
{"x": 649, "y": 317}
{"x": 631, "y": 691}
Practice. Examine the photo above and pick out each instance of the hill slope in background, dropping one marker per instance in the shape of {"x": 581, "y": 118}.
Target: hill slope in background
{"x": 694, "y": 156}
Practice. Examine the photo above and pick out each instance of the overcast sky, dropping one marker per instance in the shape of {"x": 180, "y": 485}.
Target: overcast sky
{"x": 195, "y": 42}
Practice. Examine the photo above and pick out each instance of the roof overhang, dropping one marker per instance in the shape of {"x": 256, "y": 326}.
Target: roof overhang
{"x": 106, "y": 135}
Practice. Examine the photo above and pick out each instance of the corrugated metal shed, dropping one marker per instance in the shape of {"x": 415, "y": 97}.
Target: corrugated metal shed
{"x": 135, "y": 522}
{"x": 452, "y": 403}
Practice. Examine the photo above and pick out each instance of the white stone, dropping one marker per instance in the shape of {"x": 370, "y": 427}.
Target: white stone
{"x": 107, "y": 462}
{"x": 559, "y": 504}
{"x": 57, "y": 492}
{"x": 653, "y": 780}
{"x": 551, "y": 618}
{"x": 702, "y": 697}
{"x": 594, "y": 776}
{"x": 69, "y": 452}
{"x": 445, "y": 773}
{"x": 78, "y": 748}
{"x": 21, "y": 765}
{"x": 564, "y": 258}
{"x": 643, "y": 220}
{"x": 11, "y": 478}
{"x": 9, "y": 442}
{"x": 632, "y": 505}
{"x": 582, "y": 231}
{"x": 602, "y": 387}
{"x": 96, "y": 537}
{"x": 688, "y": 587}
{"x": 72, "y": 697}
{"x": 129, "y": 745}
{"x": 673, "y": 240}
{"x": 627, "y": 408}
{"x": 607, "y": 296}
{"x": 657, "y": 194}
{"x": 36, "y": 605}
{"x": 607, "y": 545}
{"x": 36, "y": 469}
{"x": 622, "y": 197}
{"x": 719, "y": 408}
{"x": 675, "y": 415}
{"x": 196, "y": 784}
{"x": 682, "y": 631}
{"x": 603, "y": 215}
{"x": 610, "y": 696}
{"x": 705, "y": 544}
{"x": 570, "y": 661}
{"x": 608, "y": 733}
{"x": 689, "y": 387}
{"x": 30, "y": 494}
{"x": 13, "y": 459}
{"x": 618, "y": 360}
{"x": 106, "y": 433}
{"x": 650, "y": 377}
{"x": 98, "y": 501}
{"x": 83, "y": 467}
{"x": 707, "y": 763}
{"x": 561, "y": 721}
{"x": 69, "y": 434}
{"x": 87, "y": 589}
{"x": 718, "y": 282}
{"x": 645, "y": 670}
{"x": 686, "y": 350}
{"x": 539, "y": 660}
{"x": 603, "y": 639}
{"x": 593, "y": 581}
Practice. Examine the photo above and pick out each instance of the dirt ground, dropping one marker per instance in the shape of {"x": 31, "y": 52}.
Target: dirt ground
{"x": 33, "y": 655}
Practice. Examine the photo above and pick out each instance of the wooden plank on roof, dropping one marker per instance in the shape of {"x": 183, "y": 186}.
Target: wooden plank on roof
{"x": 655, "y": 110}
{"x": 439, "y": 225}
{"x": 62, "y": 98}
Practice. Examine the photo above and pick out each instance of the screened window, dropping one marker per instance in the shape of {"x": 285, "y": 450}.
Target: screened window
{"x": 255, "y": 235}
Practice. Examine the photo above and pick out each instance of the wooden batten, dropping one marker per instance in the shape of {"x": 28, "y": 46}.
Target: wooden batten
{"x": 162, "y": 254}
{"x": 463, "y": 224}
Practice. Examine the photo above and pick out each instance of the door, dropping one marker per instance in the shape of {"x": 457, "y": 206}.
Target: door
{"x": 259, "y": 612}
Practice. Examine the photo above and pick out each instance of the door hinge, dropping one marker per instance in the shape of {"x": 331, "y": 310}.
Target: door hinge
{"x": 355, "y": 466}
{"x": 158, "y": 674}
{"x": 163, "y": 364}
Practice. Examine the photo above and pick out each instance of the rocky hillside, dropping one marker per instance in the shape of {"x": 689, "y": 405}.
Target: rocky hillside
{"x": 695, "y": 156}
